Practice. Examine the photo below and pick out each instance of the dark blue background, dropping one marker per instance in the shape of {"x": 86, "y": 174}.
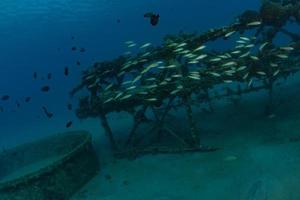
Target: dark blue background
{"x": 35, "y": 35}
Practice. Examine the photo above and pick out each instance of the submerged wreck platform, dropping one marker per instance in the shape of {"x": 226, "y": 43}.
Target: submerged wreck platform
{"x": 53, "y": 168}
{"x": 187, "y": 71}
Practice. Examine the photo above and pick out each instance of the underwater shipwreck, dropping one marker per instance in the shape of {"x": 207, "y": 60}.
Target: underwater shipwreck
{"x": 181, "y": 74}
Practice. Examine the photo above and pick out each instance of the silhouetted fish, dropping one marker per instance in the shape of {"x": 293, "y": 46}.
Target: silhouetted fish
{"x": 82, "y": 50}
{"x": 34, "y": 75}
{"x": 27, "y": 99}
{"x": 118, "y": 21}
{"x": 47, "y": 113}
{"x": 154, "y": 18}
{"x": 66, "y": 71}
{"x": 78, "y": 63}
{"x": 49, "y": 76}
{"x": 18, "y": 104}
{"x": 5, "y": 97}
{"x": 69, "y": 124}
{"x": 74, "y": 48}
{"x": 72, "y": 37}
{"x": 45, "y": 88}
{"x": 70, "y": 106}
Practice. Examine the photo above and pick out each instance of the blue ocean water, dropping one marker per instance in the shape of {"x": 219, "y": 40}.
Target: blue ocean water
{"x": 36, "y": 37}
{"x": 258, "y": 157}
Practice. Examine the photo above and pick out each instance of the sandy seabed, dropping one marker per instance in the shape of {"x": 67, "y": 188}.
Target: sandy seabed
{"x": 259, "y": 156}
{"x": 259, "y": 160}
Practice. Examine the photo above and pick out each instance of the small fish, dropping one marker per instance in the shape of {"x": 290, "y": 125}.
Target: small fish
{"x": 121, "y": 73}
{"x": 261, "y": 73}
{"x": 164, "y": 83}
{"x": 177, "y": 76}
{"x": 70, "y": 107}
{"x": 200, "y": 48}
{"x": 254, "y": 57}
{"x": 82, "y": 50}
{"x": 151, "y": 86}
{"x": 231, "y": 63}
{"x": 108, "y": 100}
{"x": 108, "y": 87}
{"x": 283, "y": 56}
{"x": 245, "y": 55}
{"x": 45, "y": 88}
{"x": 132, "y": 45}
{"x": 146, "y": 54}
{"x": 126, "y": 82}
{"x": 287, "y": 48}
{"x": 125, "y": 97}
{"x": 241, "y": 42}
{"x": 261, "y": 48}
{"x": 194, "y": 77}
{"x": 66, "y": 71}
{"x": 49, "y": 76}
{"x": 227, "y": 81}
{"x": 229, "y": 34}
{"x": 47, "y": 113}
{"x": 154, "y": 18}
{"x": 189, "y": 55}
{"x": 201, "y": 57}
{"x": 171, "y": 66}
{"x": 228, "y": 55}
{"x": 193, "y": 62}
{"x": 27, "y": 99}
{"x": 137, "y": 79}
{"x": 273, "y": 64}
{"x": 145, "y": 45}
{"x": 143, "y": 93}
{"x": 127, "y": 53}
{"x": 183, "y": 44}
{"x": 276, "y": 72}
{"x": 178, "y": 50}
{"x": 5, "y": 97}
{"x": 249, "y": 46}
{"x": 118, "y": 95}
{"x": 74, "y": 48}
{"x": 241, "y": 68}
{"x": 18, "y": 104}
{"x": 250, "y": 83}
{"x": 151, "y": 79}
{"x": 244, "y": 38}
{"x": 239, "y": 46}
{"x": 131, "y": 87}
{"x": 78, "y": 63}
{"x": 129, "y": 42}
{"x": 35, "y": 75}
{"x": 215, "y": 60}
{"x": 89, "y": 77}
{"x": 215, "y": 74}
{"x": 255, "y": 23}
{"x": 69, "y": 124}
{"x": 236, "y": 52}
{"x": 246, "y": 75}
{"x": 175, "y": 91}
{"x": 230, "y": 71}
{"x": 151, "y": 99}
